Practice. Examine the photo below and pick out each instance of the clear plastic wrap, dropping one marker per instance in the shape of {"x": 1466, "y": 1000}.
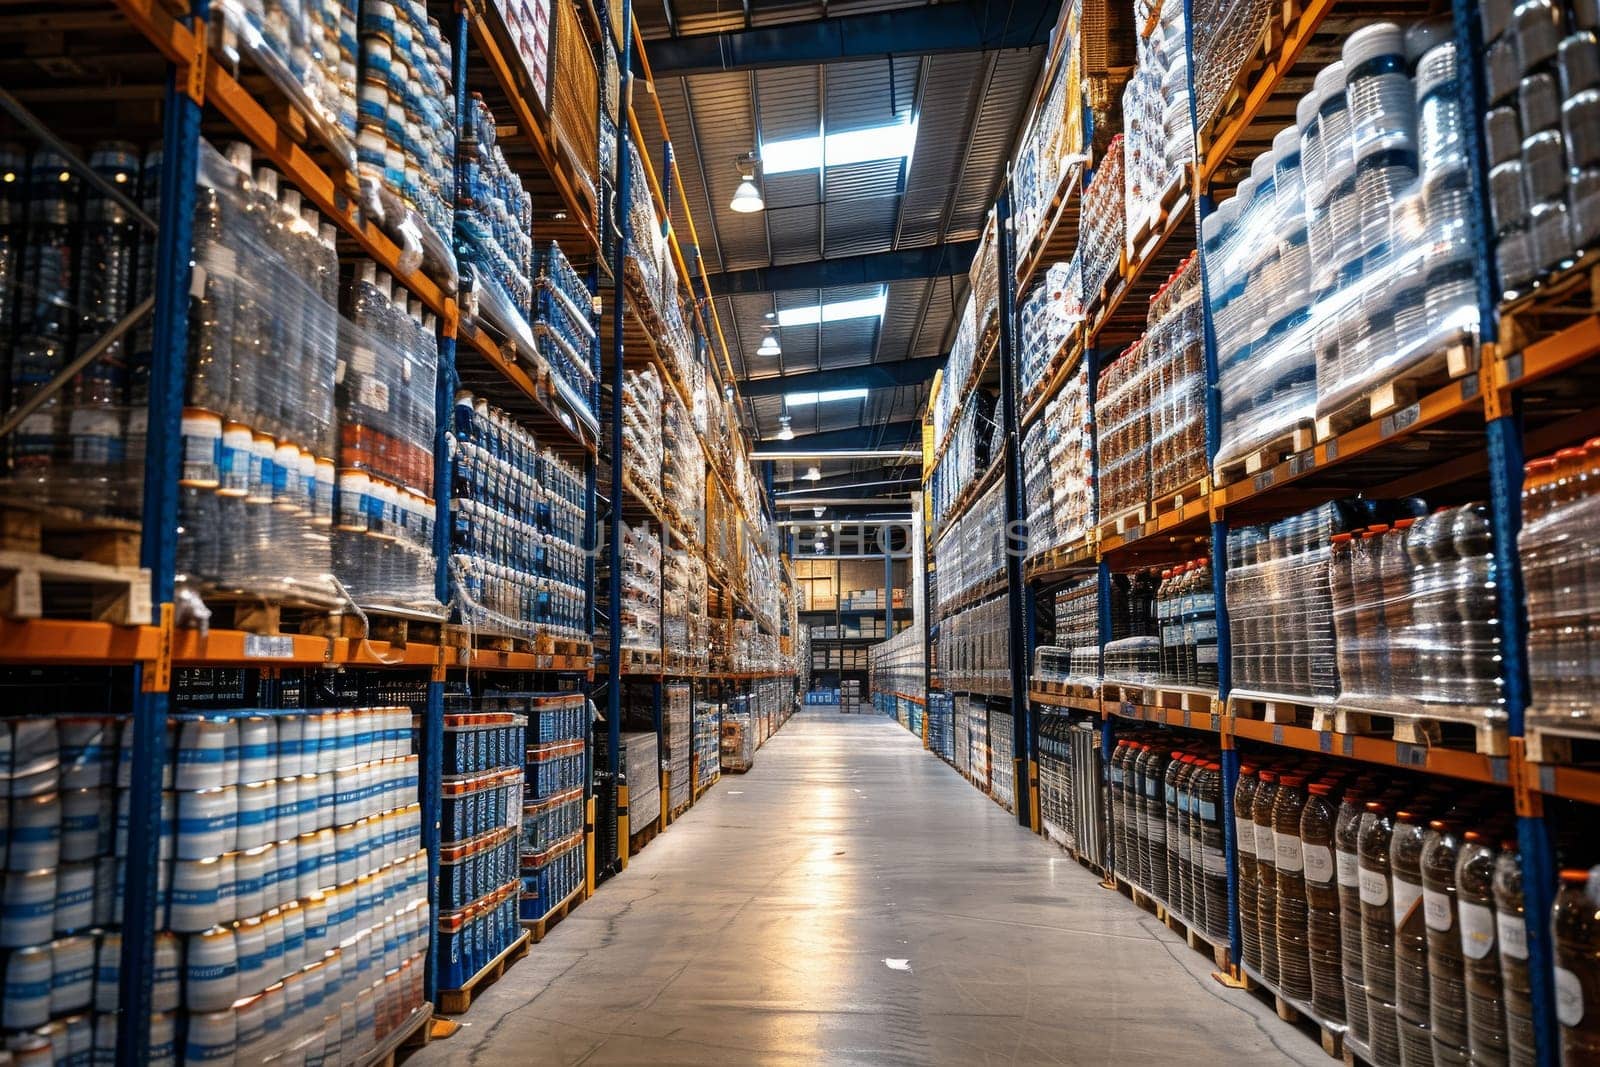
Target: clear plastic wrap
{"x": 972, "y": 549}
{"x": 971, "y": 451}
{"x": 564, "y": 311}
{"x": 1053, "y": 143}
{"x": 383, "y": 551}
{"x": 899, "y": 665}
{"x": 1225, "y": 33}
{"x": 1280, "y": 612}
{"x": 1048, "y": 316}
{"x": 1155, "y": 112}
{"x": 1104, "y": 229}
{"x": 975, "y": 649}
{"x": 527, "y": 25}
{"x": 1002, "y": 756}
{"x": 1543, "y": 135}
{"x": 1415, "y": 616}
{"x": 963, "y": 354}
{"x": 74, "y": 262}
{"x": 256, "y": 490}
{"x": 640, "y": 610}
{"x": 1561, "y": 572}
{"x": 493, "y": 225}
{"x": 307, "y": 51}
{"x": 405, "y": 134}
{"x": 517, "y": 530}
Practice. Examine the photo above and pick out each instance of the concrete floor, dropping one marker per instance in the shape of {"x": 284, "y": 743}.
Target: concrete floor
{"x": 853, "y": 900}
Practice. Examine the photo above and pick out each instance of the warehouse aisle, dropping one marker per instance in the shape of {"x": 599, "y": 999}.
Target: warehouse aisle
{"x": 853, "y": 900}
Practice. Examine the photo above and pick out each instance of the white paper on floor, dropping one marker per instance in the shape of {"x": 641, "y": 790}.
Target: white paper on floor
{"x": 898, "y": 965}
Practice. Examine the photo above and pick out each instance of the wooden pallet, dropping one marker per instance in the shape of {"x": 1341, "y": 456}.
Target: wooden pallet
{"x": 1192, "y": 700}
{"x": 474, "y": 640}
{"x": 1086, "y": 692}
{"x": 273, "y": 611}
{"x": 641, "y": 661}
{"x": 412, "y": 1034}
{"x": 1193, "y": 937}
{"x": 396, "y": 626}
{"x": 1290, "y": 441}
{"x": 638, "y": 840}
{"x": 37, "y": 586}
{"x": 68, "y": 533}
{"x": 457, "y": 1001}
{"x": 678, "y": 812}
{"x": 1125, "y": 693}
{"x": 1399, "y": 391}
{"x": 1131, "y": 523}
{"x": 1426, "y": 731}
{"x": 540, "y": 928}
{"x": 1286, "y": 711}
{"x": 1330, "y": 1035}
{"x": 1560, "y": 743}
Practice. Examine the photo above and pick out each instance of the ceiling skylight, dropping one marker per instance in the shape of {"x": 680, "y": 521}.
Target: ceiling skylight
{"x": 868, "y": 308}
{"x": 896, "y": 140}
{"x": 824, "y": 396}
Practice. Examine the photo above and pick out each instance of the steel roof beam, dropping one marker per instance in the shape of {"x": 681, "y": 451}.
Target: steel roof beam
{"x": 877, "y": 268}
{"x": 861, "y": 376}
{"x": 922, "y": 30}
{"x": 886, "y": 436}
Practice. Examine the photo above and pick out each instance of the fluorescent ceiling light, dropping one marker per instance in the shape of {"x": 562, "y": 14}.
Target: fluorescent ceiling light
{"x": 894, "y": 140}
{"x": 866, "y": 308}
{"x": 824, "y": 397}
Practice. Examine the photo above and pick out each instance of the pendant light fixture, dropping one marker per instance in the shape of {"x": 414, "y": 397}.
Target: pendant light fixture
{"x": 747, "y": 198}
{"x": 785, "y": 431}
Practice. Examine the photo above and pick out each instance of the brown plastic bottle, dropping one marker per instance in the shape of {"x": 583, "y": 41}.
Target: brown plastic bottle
{"x": 1410, "y": 932}
{"x": 1154, "y": 766}
{"x": 1294, "y": 962}
{"x": 1347, "y": 866}
{"x": 1372, "y": 634}
{"x": 1213, "y": 852}
{"x": 1341, "y": 585}
{"x": 1512, "y": 931}
{"x": 1485, "y": 1007}
{"x": 1181, "y": 898}
{"x": 1244, "y": 836}
{"x": 1118, "y": 769}
{"x": 1174, "y": 832}
{"x": 1395, "y": 576}
{"x": 1576, "y": 924}
{"x": 1266, "y": 874}
{"x": 1447, "y": 993}
{"x": 1377, "y": 932}
{"x": 1317, "y": 822}
{"x": 1138, "y": 817}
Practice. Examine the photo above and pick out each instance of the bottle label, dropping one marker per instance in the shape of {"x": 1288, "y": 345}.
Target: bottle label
{"x": 1244, "y": 832}
{"x": 1513, "y": 935}
{"x": 1477, "y": 929}
{"x": 1569, "y": 997}
{"x": 1318, "y": 862}
{"x": 1349, "y": 868}
{"x": 1374, "y": 888}
{"x": 1436, "y": 909}
{"x": 1208, "y": 811}
{"x": 1206, "y": 653}
{"x": 1287, "y": 853}
{"x": 1266, "y": 848}
{"x": 1407, "y": 895}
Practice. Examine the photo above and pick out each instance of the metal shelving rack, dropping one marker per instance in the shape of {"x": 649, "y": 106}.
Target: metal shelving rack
{"x": 1480, "y": 416}
{"x": 198, "y": 88}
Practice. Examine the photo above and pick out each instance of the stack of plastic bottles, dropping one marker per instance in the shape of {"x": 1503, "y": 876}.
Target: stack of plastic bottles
{"x": 522, "y": 577}
{"x": 564, "y": 321}
{"x": 553, "y": 800}
{"x": 1054, "y": 141}
{"x": 1561, "y": 573}
{"x": 1048, "y": 315}
{"x": 1104, "y": 229}
{"x": 73, "y": 262}
{"x": 493, "y": 226}
{"x": 1542, "y": 130}
{"x": 1155, "y": 114}
{"x": 256, "y": 502}
{"x": 384, "y": 511}
{"x": 406, "y": 131}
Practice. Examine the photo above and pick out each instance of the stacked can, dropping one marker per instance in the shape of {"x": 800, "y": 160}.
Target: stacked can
{"x": 480, "y": 828}
{"x": 554, "y": 764}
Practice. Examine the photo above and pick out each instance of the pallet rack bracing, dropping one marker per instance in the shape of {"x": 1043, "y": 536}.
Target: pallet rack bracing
{"x": 1459, "y": 423}
{"x": 221, "y": 78}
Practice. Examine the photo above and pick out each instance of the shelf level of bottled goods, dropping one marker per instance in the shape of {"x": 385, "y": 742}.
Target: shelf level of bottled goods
{"x": 1317, "y": 499}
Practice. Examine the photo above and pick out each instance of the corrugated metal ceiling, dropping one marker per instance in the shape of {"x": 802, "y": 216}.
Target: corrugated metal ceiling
{"x": 969, "y": 106}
